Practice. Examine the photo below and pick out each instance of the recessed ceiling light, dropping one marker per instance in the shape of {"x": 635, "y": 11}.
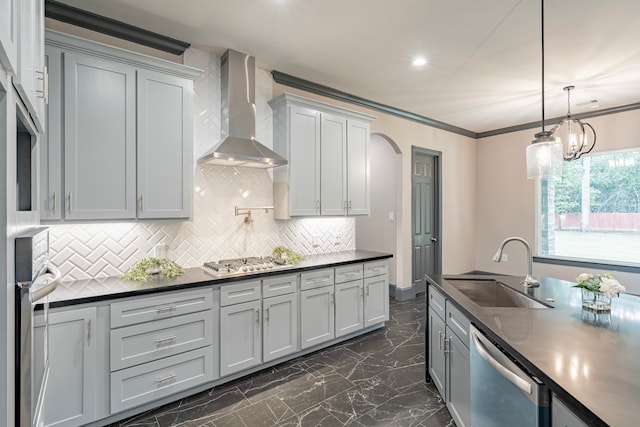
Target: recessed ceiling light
{"x": 419, "y": 61}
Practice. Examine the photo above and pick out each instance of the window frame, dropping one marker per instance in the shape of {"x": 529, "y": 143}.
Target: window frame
{"x": 571, "y": 261}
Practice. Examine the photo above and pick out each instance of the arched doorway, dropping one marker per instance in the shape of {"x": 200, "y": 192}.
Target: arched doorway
{"x": 379, "y": 231}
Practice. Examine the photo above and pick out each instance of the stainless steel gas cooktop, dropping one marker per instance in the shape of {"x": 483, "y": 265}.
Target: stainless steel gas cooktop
{"x": 239, "y": 266}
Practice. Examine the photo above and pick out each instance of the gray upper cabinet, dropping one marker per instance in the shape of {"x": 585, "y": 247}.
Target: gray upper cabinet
{"x": 327, "y": 150}
{"x": 165, "y": 155}
{"x": 99, "y": 138}
{"x": 121, "y": 136}
{"x": 9, "y": 35}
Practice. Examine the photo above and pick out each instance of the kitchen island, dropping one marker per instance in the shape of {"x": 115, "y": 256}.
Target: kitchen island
{"x": 589, "y": 360}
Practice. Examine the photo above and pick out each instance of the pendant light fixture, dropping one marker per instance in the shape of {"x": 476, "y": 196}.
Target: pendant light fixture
{"x": 571, "y": 132}
{"x": 544, "y": 155}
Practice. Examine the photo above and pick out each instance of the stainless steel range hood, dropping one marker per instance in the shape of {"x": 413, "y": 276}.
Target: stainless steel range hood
{"x": 239, "y": 146}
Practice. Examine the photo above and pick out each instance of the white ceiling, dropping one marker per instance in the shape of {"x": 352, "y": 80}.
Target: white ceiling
{"x": 484, "y": 55}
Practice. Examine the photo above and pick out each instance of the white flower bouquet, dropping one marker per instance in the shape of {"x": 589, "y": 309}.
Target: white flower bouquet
{"x": 598, "y": 290}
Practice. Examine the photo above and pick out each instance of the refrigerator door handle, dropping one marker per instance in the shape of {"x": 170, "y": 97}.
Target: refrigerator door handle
{"x": 511, "y": 376}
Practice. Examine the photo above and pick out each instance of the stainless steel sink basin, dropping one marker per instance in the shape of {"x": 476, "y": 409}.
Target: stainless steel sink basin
{"x": 492, "y": 293}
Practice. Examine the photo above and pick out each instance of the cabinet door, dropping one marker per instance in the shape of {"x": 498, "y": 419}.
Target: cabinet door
{"x": 71, "y": 389}
{"x": 376, "y": 299}
{"x": 458, "y": 380}
{"x": 99, "y": 138}
{"x": 437, "y": 360}
{"x": 333, "y": 166}
{"x": 317, "y": 308}
{"x": 349, "y": 310}
{"x": 280, "y": 330}
{"x": 30, "y": 76}
{"x": 358, "y": 168}
{"x": 240, "y": 337}
{"x": 165, "y": 166}
{"x": 51, "y": 204}
{"x": 8, "y": 35}
{"x": 304, "y": 161}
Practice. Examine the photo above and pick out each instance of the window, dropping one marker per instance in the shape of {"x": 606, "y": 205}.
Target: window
{"x": 592, "y": 213}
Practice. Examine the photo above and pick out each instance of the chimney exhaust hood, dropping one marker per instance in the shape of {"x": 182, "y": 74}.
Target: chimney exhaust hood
{"x": 239, "y": 146}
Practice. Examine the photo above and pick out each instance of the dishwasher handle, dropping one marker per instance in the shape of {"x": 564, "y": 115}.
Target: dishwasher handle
{"x": 479, "y": 343}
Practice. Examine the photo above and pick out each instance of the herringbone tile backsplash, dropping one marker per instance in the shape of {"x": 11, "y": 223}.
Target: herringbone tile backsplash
{"x": 84, "y": 251}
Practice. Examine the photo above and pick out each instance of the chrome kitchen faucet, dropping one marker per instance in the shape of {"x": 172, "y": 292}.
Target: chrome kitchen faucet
{"x": 529, "y": 281}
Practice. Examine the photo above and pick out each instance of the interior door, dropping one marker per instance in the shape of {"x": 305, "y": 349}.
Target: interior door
{"x": 425, "y": 217}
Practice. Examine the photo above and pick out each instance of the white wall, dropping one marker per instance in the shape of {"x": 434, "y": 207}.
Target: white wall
{"x": 506, "y": 198}
{"x": 376, "y": 232}
{"x": 458, "y": 186}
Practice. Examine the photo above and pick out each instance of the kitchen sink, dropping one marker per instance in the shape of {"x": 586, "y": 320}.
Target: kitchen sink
{"x": 492, "y": 293}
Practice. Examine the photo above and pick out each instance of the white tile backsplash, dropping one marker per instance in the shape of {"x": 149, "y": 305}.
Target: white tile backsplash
{"x": 84, "y": 251}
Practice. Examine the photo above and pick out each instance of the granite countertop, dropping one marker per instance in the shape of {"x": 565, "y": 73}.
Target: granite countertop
{"x": 108, "y": 288}
{"x": 590, "y": 360}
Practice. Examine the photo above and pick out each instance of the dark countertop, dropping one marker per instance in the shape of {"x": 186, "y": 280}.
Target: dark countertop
{"x": 95, "y": 290}
{"x": 592, "y": 361}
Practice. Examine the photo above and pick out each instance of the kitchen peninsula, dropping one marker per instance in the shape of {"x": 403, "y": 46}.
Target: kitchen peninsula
{"x": 588, "y": 360}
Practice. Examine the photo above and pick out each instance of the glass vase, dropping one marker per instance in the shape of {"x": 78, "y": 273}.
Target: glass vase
{"x": 595, "y": 301}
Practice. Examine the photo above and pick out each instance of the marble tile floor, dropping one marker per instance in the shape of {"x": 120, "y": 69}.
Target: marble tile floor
{"x": 373, "y": 380}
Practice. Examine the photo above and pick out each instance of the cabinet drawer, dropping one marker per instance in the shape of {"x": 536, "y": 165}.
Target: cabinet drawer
{"x": 160, "y": 307}
{"x": 240, "y": 292}
{"x": 458, "y": 323}
{"x": 349, "y": 273}
{"x": 316, "y": 279}
{"x": 436, "y": 302}
{"x": 150, "y": 381}
{"x": 376, "y": 268}
{"x": 280, "y": 285}
{"x": 150, "y": 341}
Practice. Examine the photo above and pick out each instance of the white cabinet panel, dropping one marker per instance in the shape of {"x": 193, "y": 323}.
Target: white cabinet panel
{"x": 165, "y": 155}
{"x": 31, "y": 75}
{"x": 150, "y": 341}
{"x": 358, "y": 168}
{"x": 317, "y": 316}
{"x": 150, "y": 381}
{"x": 72, "y": 388}
{"x": 333, "y": 168}
{"x": 376, "y": 300}
{"x": 99, "y": 138}
{"x": 280, "y": 330}
{"x": 349, "y": 310}
{"x": 9, "y": 35}
{"x": 304, "y": 163}
{"x": 240, "y": 337}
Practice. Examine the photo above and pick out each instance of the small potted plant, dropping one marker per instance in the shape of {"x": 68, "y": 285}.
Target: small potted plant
{"x": 146, "y": 268}
{"x": 598, "y": 290}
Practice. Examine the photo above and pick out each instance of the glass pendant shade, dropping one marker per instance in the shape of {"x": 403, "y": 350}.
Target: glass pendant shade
{"x": 544, "y": 156}
{"x": 572, "y": 133}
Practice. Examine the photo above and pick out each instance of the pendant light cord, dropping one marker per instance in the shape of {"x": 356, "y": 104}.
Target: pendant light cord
{"x": 542, "y": 45}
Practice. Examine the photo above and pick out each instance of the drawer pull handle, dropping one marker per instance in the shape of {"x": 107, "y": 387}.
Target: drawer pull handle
{"x": 165, "y": 339}
{"x": 166, "y": 308}
{"x": 440, "y": 335}
{"x": 258, "y": 316}
{"x": 266, "y": 314}
{"x": 167, "y": 378}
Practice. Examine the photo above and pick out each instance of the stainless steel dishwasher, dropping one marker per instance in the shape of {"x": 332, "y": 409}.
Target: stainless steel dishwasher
{"x": 502, "y": 393}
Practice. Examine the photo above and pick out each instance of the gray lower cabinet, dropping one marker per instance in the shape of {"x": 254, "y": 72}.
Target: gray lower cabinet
{"x": 317, "y": 316}
{"x": 72, "y": 386}
{"x": 240, "y": 337}
{"x": 349, "y": 307}
{"x": 376, "y": 294}
{"x": 458, "y": 379}
{"x": 280, "y": 326}
{"x": 562, "y": 416}
{"x": 449, "y": 356}
{"x": 437, "y": 357}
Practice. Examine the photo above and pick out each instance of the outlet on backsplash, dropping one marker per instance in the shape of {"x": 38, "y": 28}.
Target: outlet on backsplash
{"x": 161, "y": 251}
{"x": 337, "y": 239}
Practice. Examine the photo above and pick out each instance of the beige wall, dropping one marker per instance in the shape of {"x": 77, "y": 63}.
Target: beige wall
{"x": 506, "y": 198}
{"x": 458, "y": 187}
